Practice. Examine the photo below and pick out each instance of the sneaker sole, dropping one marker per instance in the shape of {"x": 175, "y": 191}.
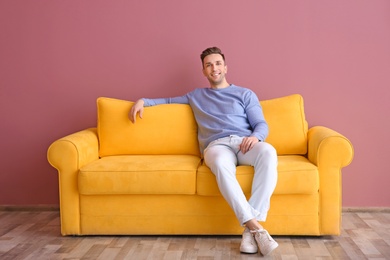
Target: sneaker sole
{"x": 254, "y": 251}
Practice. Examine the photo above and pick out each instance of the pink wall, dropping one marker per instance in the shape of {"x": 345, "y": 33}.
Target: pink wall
{"x": 57, "y": 57}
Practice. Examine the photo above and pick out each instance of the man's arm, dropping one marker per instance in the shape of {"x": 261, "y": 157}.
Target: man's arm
{"x": 257, "y": 121}
{"x": 138, "y": 106}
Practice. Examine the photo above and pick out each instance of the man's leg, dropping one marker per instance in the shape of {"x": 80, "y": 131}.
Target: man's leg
{"x": 221, "y": 157}
{"x": 263, "y": 158}
{"x": 222, "y": 161}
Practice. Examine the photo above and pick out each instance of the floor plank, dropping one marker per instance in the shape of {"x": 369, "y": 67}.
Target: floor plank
{"x": 36, "y": 235}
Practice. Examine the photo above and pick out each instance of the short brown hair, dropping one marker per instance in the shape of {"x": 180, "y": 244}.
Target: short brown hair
{"x": 211, "y": 50}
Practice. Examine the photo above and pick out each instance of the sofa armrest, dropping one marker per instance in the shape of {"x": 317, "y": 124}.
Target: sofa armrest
{"x": 68, "y": 155}
{"x": 325, "y": 144}
{"x": 329, "y": 151}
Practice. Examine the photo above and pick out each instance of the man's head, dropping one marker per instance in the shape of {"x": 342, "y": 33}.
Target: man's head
{"x": 214, "y": 67}
{"x": 211, "y": 50}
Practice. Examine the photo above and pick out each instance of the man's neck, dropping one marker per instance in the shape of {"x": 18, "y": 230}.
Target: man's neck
{"x": 220, "y": 86}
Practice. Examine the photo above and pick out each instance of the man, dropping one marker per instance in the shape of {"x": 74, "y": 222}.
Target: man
{"x": 231, "y": 132}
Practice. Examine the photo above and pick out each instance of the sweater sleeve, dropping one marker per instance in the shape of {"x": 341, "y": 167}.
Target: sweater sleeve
{"x": 256, "y": 118}
{"x": 159, "y": 101}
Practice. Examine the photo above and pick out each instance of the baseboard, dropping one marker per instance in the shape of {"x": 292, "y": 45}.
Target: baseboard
{"x": 366, "y": 209}
{"x": 57, "y": 208}
{"x": 29, "y": 208}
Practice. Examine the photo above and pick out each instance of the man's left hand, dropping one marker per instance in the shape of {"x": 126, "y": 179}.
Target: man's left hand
{"x": 248, "y": 143}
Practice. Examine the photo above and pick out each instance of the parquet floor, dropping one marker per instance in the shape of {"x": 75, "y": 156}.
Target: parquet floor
{"x": 36, "y": 235}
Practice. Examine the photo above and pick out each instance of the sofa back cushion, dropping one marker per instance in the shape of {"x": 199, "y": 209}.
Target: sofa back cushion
{"x": 287, "y": 124}
{"x": 172, "y": 129}
{"x": 164, "y": 129}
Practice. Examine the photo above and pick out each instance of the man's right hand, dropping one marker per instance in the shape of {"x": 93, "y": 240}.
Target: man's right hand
{"x": 138, "y": 107}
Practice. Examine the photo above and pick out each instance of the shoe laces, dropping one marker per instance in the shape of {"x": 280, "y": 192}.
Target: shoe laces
{"x": 261, "y": 232}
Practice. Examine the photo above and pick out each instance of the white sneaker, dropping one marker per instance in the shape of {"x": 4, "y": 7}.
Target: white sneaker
{"x": 248, "y": 243}
{"x": 264, "y": 241}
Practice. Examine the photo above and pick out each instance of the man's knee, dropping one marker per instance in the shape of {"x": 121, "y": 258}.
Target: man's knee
{"x": 266, "y": 150}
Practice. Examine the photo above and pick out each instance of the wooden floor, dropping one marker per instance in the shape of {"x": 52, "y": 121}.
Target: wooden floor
{"x": 36, "y": 235}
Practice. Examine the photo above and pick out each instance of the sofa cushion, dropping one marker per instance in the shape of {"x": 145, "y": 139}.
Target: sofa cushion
{"x": 140, "y": 174}
{"x": 287, "y": 124}
{"x": 296, "y": 175}
{"x": 164, "y": 129}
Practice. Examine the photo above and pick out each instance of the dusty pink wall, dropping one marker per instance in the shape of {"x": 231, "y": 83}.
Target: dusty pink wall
{"x": 57, "y": 57}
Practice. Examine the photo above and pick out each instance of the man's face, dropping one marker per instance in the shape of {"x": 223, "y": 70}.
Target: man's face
{"x": 214, "y": 69}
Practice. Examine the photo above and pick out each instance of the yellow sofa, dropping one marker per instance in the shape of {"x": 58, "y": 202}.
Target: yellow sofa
{"x": 149, "y": 177}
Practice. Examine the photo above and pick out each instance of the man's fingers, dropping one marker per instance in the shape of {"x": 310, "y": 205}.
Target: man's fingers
{"x": 244, "y": 147}
{"x": 133, "y": 113}
{"x": 247, "y": 144}
{"x": 138, "y": 107}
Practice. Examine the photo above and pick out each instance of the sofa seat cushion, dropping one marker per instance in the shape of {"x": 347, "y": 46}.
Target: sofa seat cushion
{"x": 296, "y": 175}
{"x": 140, "y": 174}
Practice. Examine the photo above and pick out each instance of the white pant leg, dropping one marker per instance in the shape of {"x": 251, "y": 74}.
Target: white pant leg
{"x": 221, "y": 157}
{"x": 263, "y": 158}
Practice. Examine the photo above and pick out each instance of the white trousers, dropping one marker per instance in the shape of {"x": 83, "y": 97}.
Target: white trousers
{"x": 223, "y": 155}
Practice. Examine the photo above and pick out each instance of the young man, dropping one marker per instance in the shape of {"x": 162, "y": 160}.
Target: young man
{"x": 231, "y": 132}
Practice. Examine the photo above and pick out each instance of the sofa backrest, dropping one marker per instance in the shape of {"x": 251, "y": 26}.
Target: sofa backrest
{"x": 172, "y": 129}
{"x": 287, "y": 124}
{"x": 164, "y": 129}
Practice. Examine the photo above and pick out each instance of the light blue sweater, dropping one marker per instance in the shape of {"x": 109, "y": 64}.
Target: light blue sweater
{"x": 222, "y": 112}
